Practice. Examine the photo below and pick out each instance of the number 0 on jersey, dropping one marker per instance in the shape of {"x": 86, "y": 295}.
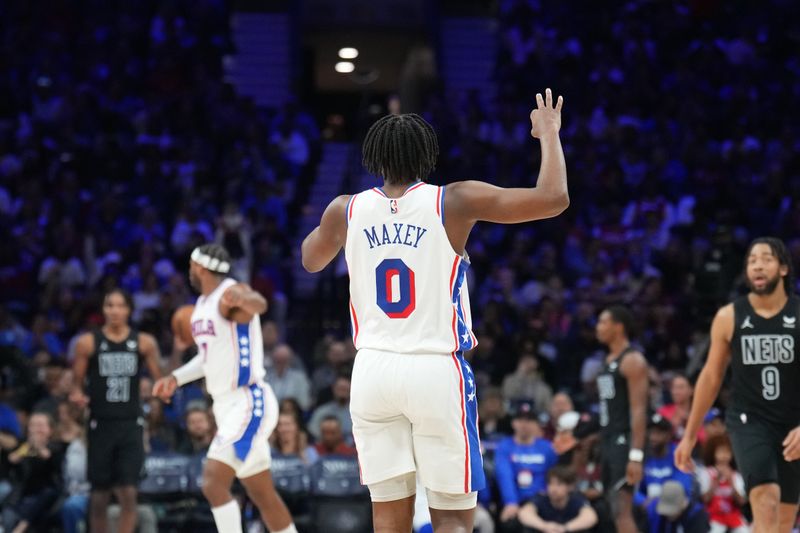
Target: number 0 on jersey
{"x": 395, "y": 291}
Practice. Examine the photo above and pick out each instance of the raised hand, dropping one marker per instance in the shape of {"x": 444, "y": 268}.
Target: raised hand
{"x": 546, "y": 119}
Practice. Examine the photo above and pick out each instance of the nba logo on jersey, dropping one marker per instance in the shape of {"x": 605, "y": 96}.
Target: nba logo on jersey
{"x": 393, "y": 206}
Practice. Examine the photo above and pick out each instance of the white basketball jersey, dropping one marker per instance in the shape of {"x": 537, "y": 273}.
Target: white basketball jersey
{"x": 233, "y": 354}
{"x": 408, "y": 287}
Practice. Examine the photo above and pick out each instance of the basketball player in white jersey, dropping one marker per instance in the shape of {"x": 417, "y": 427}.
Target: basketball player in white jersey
{"x": 413, "y": 399}
{"x": 227, "y": 330}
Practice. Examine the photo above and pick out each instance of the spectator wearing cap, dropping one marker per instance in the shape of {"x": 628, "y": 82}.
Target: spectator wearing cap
{"x": 659, "y": 465}
{"x": 521, "y": 464}
{"x": 560, "y": 508}
{"x": 713, "y": 425}
{"x": 673, "y": 512}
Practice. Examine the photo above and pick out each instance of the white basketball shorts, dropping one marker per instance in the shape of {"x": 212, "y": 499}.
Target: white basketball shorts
{"x": 417, "y": 412}
{"x": 245, "y": 419}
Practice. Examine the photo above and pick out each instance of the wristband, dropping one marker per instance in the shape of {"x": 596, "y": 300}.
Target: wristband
{"x": 637, "y": 456}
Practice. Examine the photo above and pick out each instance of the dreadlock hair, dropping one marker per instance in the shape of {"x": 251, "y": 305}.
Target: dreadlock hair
{"x": 216, "y": 251}
{"x": 780, "y": 251}
{"x": 401, "y": 148}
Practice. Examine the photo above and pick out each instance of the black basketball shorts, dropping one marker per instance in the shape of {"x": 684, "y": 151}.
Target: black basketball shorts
{"x": 115, "y": 453}
{"x": 758, "y": 449}
{"x": 614, "y": 461}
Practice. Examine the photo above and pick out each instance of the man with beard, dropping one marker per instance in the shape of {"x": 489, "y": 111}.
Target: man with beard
{"x": 227, "y": 330}
{"x": 758, "y": 333}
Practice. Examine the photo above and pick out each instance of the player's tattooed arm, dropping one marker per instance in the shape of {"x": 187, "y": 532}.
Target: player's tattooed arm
{"x": 242, "y": 297}
{"x": 324, "y": 242}
{"x": 151, "y": 354}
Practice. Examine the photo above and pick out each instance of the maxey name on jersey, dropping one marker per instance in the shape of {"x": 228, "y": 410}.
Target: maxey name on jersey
{"x": 398, "y": 233}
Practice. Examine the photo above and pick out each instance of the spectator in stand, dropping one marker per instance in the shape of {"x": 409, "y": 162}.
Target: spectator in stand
{"x": 495, "y": 424}
{"x": 713, "y": 425}
{"x": 159, "y": 434}
{"x": 336, "y": 362}
{"x": 526, "y": 382}
{"x": 339, "y": 407}
{"x": 58, "y": 382}
{"x": 331, "y": 441}
{"x": 677, "y": 412}
{"x": 291, "y": 439}
{"x": 521, "y": 464}
{"x": 560, "y": 509}
{"x": 199, "y": 430}
{"x": 659, "y": 465}
{"x": 560, "y": 404}
{"x": 722, "y": 487}
{"x": 10, "y": 435}
{"x": 76, "y": 485}
{"x": 288, "y": 381}
{"x": 10, "y": 432}
{"x": 673, "y": 511}
{"x": 36, "y": 476}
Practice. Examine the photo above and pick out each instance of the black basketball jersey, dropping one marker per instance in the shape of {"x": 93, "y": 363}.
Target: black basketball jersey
{"x": 615, "y": 407}
{"x": 114, "y": 377}
{"x": 765, "y": 369}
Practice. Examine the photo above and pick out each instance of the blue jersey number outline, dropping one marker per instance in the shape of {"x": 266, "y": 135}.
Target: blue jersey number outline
{"x": 407, "y": 302}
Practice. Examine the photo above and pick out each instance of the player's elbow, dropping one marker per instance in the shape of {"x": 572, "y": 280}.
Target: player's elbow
{"x": 310, "y": 264}
{"x": 561, "y": 203}
{"x": 556, "y": 203}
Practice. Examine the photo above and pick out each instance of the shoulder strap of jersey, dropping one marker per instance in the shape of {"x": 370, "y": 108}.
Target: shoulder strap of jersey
{"x": 348, "y": 212}
{"x": 741, "y": 308}
{"x": 98, "y": 339}
{"x": 440, "y": 202}
{"x": 626, "y": 351}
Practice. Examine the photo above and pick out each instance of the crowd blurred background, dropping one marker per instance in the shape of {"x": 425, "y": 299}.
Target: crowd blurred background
{"x": 122, "y": 147}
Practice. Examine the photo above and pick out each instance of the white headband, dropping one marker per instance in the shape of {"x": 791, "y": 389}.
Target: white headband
{"x": 211, "y": 263}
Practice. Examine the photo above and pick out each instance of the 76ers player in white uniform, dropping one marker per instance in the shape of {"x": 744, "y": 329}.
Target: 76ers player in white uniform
{"x": 413, "y": 399}
{"x": 227, "y": 330}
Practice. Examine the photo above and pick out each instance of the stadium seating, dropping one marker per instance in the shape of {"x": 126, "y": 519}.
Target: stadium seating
{"x": 339, "y": 503}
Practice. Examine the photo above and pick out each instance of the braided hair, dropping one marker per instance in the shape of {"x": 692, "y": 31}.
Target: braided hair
{"x": 401, "y": 148}
{"x": 780, "y": 251}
